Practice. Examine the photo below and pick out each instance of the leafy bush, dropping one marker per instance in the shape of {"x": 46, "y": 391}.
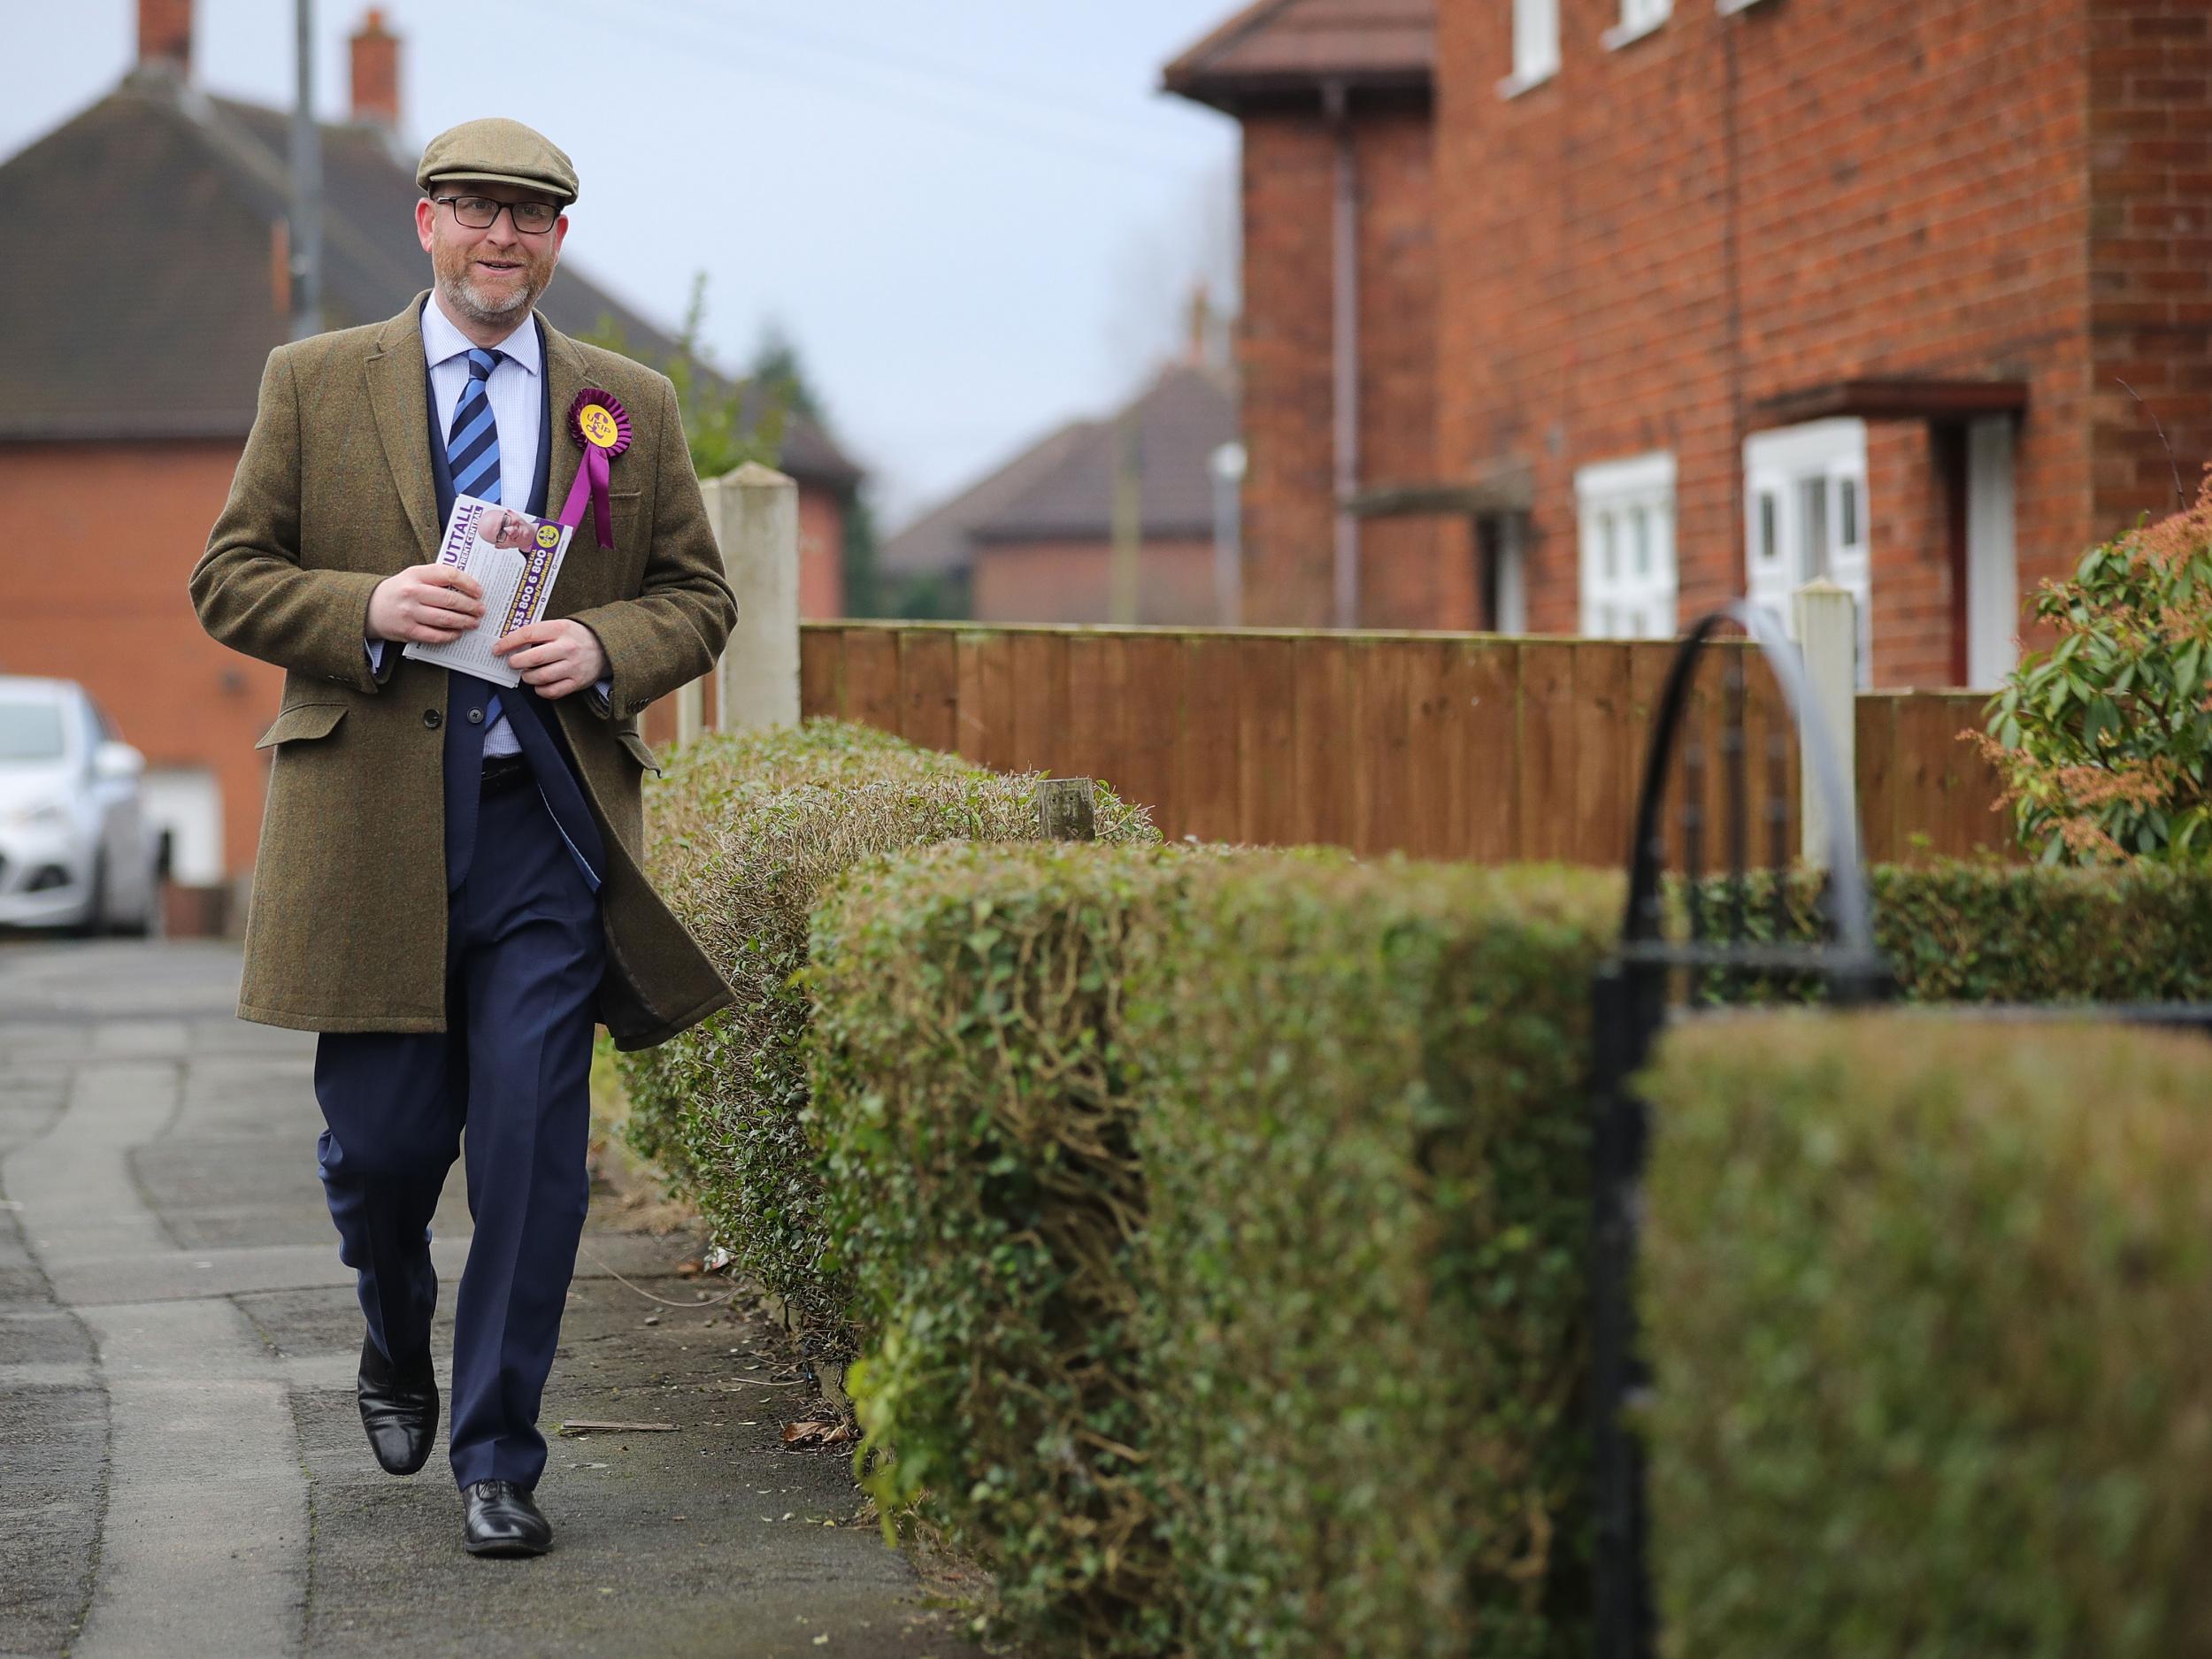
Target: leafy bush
{"x": 975, "y": 1099}
{"x": 1959, "y": 931}
{"x": 2103, "y": 741}
{"x": 745, "y": 832}
{"x": 1220, "y": 1223}
{"x": 1930, "y": 1308}
{"x": 1367, "y": 1162}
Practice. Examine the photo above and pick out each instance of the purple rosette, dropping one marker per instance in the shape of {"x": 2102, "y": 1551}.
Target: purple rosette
{"x": 598, "y": 422}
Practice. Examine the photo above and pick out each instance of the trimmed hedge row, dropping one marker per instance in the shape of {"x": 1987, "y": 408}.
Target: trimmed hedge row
{"x": 1964, "y": 931}
{"x": 976, "y": 1098}
{"x": 1218, "y": 1222}
{"x": 746, "y": 833}
{"x": 1930, "y": 1307}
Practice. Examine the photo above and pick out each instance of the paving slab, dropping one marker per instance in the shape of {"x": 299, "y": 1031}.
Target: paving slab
{"x": 182, "y": 1469}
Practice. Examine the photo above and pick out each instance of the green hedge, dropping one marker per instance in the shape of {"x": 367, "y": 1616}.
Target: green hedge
{"x": 974, "y": 1092}
{"x": 745, "y": 832}
{"x": 1965, "y": 932}
{"x": 1219, "y": 1222}
{"x": 1930, "y": 1307}
{"x": 1368, "y": 1158}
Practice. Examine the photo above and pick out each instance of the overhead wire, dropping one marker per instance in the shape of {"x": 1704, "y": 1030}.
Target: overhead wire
{"x": 735, "y": 54}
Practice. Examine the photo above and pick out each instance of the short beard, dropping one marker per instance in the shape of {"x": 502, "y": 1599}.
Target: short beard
{"x": 462, "y": 295}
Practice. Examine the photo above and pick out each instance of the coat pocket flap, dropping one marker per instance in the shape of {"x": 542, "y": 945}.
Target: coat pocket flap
{"x": 309, "y": 720}
{"x": 639, "y": 750}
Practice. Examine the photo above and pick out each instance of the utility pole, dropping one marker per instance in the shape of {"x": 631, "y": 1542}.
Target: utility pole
{"x": 307, "y": 186}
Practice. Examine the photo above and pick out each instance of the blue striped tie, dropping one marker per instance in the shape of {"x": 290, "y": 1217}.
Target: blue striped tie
{"x": 472, "y": 451}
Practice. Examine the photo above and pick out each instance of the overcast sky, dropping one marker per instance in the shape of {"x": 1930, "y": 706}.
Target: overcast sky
{"x": 975, "y": 217}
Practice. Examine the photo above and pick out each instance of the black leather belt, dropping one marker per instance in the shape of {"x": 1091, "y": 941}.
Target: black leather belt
{"x": 505, "y": 771}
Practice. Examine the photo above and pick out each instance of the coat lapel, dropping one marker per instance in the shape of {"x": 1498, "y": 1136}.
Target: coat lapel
{"x": 401, "y": 406}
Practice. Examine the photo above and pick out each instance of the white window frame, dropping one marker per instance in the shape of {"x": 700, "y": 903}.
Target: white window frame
{"x": 1628, "y": 587}
{"x": 1729, "y": 8}
{"x": 1638, "y": 17}
{"x": 1786, "y": 470}
{"x": 1535, "y": 46}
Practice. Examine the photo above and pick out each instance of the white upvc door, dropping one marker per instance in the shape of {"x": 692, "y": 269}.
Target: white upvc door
{"x": 1805, "y": 513}
{"x": 1992, "y": 569}
{"x": 1625, "y": 523}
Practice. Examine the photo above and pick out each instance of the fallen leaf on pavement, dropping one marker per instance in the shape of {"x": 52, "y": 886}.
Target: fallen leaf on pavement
{"x": 817, "y": 1433}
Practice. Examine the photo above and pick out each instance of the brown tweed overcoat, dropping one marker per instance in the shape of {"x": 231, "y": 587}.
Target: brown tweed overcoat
{"x": 346, "y": 930}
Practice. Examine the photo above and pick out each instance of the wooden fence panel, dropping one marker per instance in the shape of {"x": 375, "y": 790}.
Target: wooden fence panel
{"x": 1439, "y": 745}
{"x": 821, "y": 672}
{"x": 929, "y": 690}
{"x": 1208, "y": 776}
{"x": 1604, "y": 753}
{"x": 1268, "y": 756}
{"x": 1547, "y": 745}
{"x": 1320, "y": 746}
{"x": 872, "y": 679}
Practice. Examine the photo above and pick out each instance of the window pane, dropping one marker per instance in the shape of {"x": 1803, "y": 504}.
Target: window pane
{"x": 1812, "y": 528}
{"x": 1640, "y": 524}
{"x": 1770, "y": 545}
{"x": 1608, "y": 554}
{"x": 1847, "y": 505}
{"x": 1536, "y": 37}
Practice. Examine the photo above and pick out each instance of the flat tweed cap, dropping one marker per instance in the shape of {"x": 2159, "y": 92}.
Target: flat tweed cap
{"x": 498, "y": 152}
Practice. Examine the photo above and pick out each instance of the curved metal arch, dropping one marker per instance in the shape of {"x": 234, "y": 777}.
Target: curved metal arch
{"x": 1647, "y": 851}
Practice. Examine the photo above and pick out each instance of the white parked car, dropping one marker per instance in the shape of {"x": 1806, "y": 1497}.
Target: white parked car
{"x": 76, "y": 848}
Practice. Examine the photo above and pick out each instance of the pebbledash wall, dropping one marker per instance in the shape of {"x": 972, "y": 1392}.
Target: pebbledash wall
{"x": 1414, "y": 573}
{"x": 1640, "y": 254}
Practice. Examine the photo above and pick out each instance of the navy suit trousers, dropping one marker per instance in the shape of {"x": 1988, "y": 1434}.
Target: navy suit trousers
{"x": 510, "y": 1080}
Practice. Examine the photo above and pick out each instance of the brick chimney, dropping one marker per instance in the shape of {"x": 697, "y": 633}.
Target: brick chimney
{"x": 376, "y": 72}
{"x": 164, "y": 33}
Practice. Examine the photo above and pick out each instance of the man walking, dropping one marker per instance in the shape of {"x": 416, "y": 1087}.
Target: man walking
{"x": 449, "y": 888}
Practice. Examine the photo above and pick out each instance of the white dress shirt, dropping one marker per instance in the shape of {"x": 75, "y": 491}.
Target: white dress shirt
{"x": 517, "y": 406}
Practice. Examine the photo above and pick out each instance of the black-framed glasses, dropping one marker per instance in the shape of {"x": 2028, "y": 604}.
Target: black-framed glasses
{"x": 481, "y": 213}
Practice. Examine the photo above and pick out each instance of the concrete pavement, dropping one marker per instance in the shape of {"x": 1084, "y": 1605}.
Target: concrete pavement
{"x": 181, "y": 1470}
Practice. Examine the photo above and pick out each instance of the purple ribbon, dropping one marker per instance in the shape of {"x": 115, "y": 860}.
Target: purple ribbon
{"x": 591, "y": 476}
{"x": 592, "y": 473}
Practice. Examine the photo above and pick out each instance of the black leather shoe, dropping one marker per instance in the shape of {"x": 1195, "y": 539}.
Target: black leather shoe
{"x": 399, "y": 1408}
{"x": 499, "y": 1518}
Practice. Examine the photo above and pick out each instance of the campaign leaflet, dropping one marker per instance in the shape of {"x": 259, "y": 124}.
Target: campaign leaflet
{"x": 515, "y": 559}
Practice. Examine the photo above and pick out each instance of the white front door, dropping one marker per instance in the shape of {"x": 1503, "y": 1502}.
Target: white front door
{"x": 1805, "y": 521}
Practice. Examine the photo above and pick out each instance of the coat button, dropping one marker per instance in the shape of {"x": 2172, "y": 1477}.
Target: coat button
{"x": 476, "y": 717}
{"x": 430, "y": 717}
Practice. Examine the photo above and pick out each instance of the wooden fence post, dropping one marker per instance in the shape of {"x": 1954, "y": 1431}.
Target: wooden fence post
{"x": 755, "y": 514}
{"x": 1828, "y": 634}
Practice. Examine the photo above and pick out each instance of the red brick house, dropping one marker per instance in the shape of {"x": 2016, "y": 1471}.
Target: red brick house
{"x": 1727, "y": 293}
{"x": 148, "y": 279}
{"x": 1032, "y": 541}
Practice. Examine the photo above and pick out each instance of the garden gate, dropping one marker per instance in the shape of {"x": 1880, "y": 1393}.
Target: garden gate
{"x": 1714, "y": 958}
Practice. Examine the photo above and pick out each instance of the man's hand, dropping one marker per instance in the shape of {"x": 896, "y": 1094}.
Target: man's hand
{"x": 433, "y": 604}
{"x": 558, "y": 657}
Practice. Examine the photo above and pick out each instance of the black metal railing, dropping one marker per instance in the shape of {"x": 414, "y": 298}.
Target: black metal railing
{"x": 1715, "y": 958}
